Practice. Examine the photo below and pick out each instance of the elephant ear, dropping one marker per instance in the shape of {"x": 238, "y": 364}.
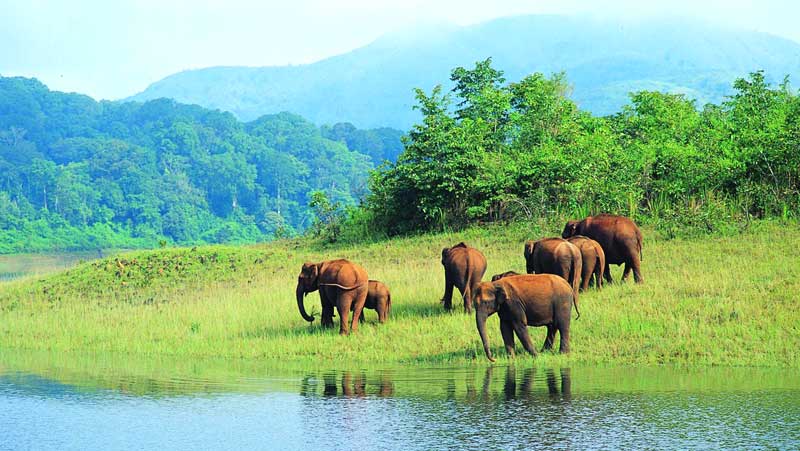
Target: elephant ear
{"x": 529, "y": 248}
{"x": 501, "y": 293}
{"x": 445, "y": 253}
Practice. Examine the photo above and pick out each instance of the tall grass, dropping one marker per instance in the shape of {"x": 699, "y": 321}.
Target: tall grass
{"x": 728, "y": 300}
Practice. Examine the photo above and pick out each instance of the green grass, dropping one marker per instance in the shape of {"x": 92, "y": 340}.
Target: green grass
{"x": 706, "y": 301}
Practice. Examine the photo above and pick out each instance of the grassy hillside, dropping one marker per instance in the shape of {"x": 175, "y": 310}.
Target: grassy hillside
{"x": 710, "y": 301}
{"x": 605, "y": 59}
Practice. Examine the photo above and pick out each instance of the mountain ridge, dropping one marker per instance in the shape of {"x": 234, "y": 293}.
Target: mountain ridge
{"x": 372, "y": 86}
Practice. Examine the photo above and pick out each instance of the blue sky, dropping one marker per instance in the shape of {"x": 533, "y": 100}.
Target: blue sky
{"x": 113, "y": 49}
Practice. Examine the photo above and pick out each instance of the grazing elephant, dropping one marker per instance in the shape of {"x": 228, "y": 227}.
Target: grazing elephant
{"x": 341, "y": 283}
{"x": 379, "y": 299}
{"x": 619, "y": 237}
{"x": 497, "y": 277}
{"x": 524, "y": 301}
{"x": 555, "y": 256}
{"x": 464, "y": 267}
{"x": 593, "y": 260}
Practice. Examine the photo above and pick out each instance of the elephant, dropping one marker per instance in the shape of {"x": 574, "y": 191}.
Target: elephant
{"x": 619, "y": 237}
{"x": 593, "y": 260}
{"x": 555, "y": 256}
{"x": 524, "y": 301}
{"x": 464, "y": 267}
{"x": 341, "y": 283}
{"x": 379, "y": 299}
{"x": 497, "y": 277}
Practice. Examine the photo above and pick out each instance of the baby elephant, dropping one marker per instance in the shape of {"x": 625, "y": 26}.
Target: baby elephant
{"x": 497, "y": 277}
{"x": 378, "y": 299}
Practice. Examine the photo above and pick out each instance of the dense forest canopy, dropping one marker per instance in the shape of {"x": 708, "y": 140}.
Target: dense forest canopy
{"x": 77, "y": 174}
{"x": 492, "y": 150}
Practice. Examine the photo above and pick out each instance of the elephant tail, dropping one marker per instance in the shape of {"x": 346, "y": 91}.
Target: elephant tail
{"x": 574, "y": 279}
{"x": 639, "y": 242}
{"x": 342, "y": 286}
{"x": 467, "y": 297}
{"x": 388, "y": 304}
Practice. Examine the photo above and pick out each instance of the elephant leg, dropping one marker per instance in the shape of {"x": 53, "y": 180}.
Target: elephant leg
{"x": 383, "y": 312}
{"x": 586, "y": 276}
{"x": 636, "y": 264}
{"x": 627, "y": 272}
{"x": 551, "y": 337}
{"x": 327, "y": 315}
{"x": 507, "y": 331}
{"x": 359, "y": 296}
{"x": 563, "y": 331}
{"x": 343, "y": 305}
{"x": 607, "y": 274}
{"x": 467, "y": 299}
{"x": 327, "y": 309}
{"x": 522, "y": 332}
{"x": 447, "y": 299}
{"x": 598, "y": 276}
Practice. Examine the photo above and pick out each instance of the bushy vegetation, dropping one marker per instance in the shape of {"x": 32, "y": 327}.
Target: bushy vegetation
{"x": 491, "y": 150}
{"x": 711, "y": 300}
{"x": 78, "y": 174}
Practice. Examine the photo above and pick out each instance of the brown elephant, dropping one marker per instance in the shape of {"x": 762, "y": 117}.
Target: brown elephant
{"x": 593, "y": 260}
{"x": 497, "y": 277}
{"x": 341, "y": 283}
{"x": 528, "y": 300}
{"x": 555, "y": 256}
{"x": 464, "y": 267}
{"x": 619, "y": 237}
{"x": 379, "y": 299}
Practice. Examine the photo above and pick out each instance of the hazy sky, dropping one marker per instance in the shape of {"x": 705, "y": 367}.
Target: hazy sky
{"x": 115, "y": 48}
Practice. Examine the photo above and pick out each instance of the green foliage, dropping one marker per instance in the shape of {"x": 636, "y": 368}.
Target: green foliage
{"x": 77, "y": 174}
{"x": 525, "y": 150}
{"x": 328, "y": 217}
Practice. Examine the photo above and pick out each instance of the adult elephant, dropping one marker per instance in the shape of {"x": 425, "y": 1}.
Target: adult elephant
{"x": 555, "y": 256}
{"x": 464, "y": 267}
{"x": 341, "y": 283}
{"x": 619, "y": 237}
{"x": 528, "y": 300}
{"x": 593, "y": 260}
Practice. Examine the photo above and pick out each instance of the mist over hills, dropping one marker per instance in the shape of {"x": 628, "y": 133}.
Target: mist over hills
{"x": 604, "y": 60}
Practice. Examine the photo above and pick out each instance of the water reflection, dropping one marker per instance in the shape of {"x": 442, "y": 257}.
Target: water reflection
{"x": 112, "y": 402}
{"x": 347, "y": 384}
{"x": 559, "y": 388}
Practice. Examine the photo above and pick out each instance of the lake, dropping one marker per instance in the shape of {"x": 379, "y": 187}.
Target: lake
{"x": 14, "y": 266}
{"x": 86, "y": 402}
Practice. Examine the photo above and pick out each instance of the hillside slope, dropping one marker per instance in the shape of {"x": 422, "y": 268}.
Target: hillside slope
{"x": 373, "y": 85}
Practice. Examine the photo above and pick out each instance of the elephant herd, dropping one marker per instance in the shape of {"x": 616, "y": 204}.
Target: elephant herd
{"x": 558, "y": 269}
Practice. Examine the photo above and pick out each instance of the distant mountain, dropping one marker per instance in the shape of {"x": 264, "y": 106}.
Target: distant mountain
{"x": 605, "y": 60}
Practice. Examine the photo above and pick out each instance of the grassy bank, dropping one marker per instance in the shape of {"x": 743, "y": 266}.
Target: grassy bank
{"x": 709, "y": 301}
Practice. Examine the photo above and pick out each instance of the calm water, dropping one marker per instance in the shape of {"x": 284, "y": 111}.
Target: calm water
{"x": 83, "y": 403}
{"x": 20, "y": 265}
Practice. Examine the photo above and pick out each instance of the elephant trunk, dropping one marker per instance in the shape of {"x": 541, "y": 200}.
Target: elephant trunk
{"x": 300, "y": 294}
{"x": 480, "y": 321}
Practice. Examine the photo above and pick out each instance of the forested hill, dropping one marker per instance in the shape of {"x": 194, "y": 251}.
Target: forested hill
{"x": 605, "y": 60}
{"x": 77, "y": 174}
